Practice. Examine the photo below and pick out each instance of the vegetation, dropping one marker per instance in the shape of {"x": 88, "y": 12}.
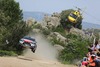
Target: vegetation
{"x": 54, "y": 41}
{"x": 7, "y": 53}
{"x": 12, "y": 26}
{"x": 45, "y": 31}
{"x": 75, "y": 49}
{"x": 36, "y": 26}
{"x": 60, "y": 30}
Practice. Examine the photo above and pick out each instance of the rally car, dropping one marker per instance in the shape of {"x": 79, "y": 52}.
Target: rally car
{"x": 28, "y": 42}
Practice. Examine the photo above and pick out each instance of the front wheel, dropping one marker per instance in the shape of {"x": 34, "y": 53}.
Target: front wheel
{"x": 32, "y": 49}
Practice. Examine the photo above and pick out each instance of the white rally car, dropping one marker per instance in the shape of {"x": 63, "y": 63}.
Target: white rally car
{"x": 28, "y": 42}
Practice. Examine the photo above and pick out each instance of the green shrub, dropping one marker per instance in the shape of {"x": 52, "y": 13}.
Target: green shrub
{"x": 7, "y": 53}
{"x": 45, "y": 32}
{"x": 74, "y": 50}
{"x": 72, "y": 36}
{"x": 60, "y": 30}
{"x": 55, "y": 41}
{"x": 37, "y": 26}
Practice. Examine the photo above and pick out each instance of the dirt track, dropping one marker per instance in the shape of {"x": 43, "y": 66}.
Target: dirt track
{"x": 15, "y": 62}
{"x": 45, "y": 56}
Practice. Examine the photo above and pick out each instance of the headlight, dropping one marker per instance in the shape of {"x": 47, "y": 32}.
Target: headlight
{"x": 21, "y": 41}
{"x": 32, "y": 44}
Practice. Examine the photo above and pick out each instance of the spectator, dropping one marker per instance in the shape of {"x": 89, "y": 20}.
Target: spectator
{"x": 97, "y": 60}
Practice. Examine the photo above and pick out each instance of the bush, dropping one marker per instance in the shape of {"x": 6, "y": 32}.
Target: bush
{"x": 45, "y": 31}
{"x": 37, "y": 26}
{"x": 60, "y": 30}
{"x": 74, "y": 50}
{"x": 55, "y": 41}
{"x": 7, "y": 53}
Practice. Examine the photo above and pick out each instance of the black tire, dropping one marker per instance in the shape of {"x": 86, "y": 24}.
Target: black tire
{"x": 32, "y": 49}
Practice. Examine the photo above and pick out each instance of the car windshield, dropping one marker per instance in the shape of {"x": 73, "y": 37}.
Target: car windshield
{"x": 73, "y": 15}
{"x": 29, "y": 38}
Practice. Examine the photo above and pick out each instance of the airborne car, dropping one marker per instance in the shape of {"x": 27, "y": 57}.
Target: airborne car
{"x": 28, "y": 42}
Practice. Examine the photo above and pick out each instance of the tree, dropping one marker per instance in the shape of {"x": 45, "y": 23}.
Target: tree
{"x": 12, "y": 26}
{"x": 12, "y": 10}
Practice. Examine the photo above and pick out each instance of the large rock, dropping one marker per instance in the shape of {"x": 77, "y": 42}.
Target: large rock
{"x": 31, "y": 21}
{"x": 82, "y": 33}
{"x": 77, "y": 32}
{"x": 51, "y": 21}
{"x": 59, "y": 37}
{"x": 59, "y": 47}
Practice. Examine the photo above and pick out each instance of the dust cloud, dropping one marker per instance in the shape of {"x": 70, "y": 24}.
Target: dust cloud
{"x": 44, "y": 51}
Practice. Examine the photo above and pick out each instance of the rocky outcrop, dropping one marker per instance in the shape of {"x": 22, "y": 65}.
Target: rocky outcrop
{"x": 59, "y": 47}
{"x": 82, "y": 33}
{"x": 77, "y": 31}
{"x": 59, "y": 37}
{"x": 51, "y": 21}
{"x": 31, "y": 21}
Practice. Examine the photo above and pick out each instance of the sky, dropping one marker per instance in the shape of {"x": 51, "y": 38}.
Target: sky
{"x": 91, "y": 9}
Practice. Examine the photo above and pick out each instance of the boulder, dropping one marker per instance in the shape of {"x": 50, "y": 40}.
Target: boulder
{"x": 31, "y": 21}
{"x": 59, "y": 37}
{"x": 77, "y": 31}
{"x": 59, "y": 47}
{"x": 51, "y": 21}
